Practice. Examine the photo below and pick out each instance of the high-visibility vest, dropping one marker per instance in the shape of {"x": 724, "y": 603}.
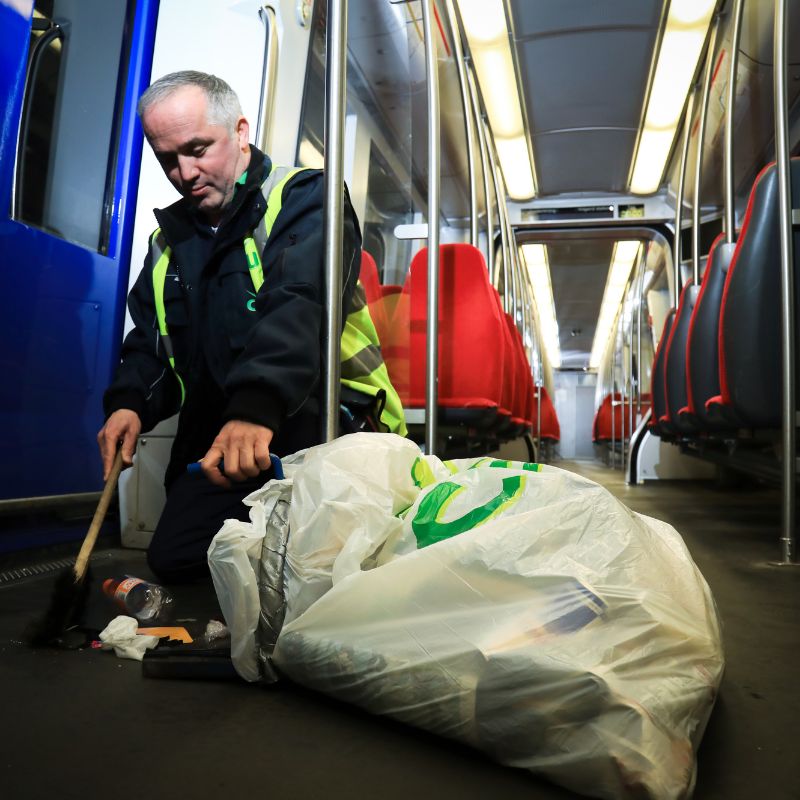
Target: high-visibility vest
{"x": 362, "y": 365}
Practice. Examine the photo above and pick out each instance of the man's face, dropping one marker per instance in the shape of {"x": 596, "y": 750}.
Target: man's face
{"x": 201, "y": 160}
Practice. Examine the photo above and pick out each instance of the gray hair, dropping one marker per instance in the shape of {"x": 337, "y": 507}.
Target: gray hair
{"x": 223, "y": 104}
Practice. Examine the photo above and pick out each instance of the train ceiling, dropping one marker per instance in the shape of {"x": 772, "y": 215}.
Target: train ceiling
{"x": 584, "y": 70}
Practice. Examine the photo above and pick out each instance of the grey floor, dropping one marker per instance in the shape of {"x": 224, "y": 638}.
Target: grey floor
{"x": 84, "y": 724}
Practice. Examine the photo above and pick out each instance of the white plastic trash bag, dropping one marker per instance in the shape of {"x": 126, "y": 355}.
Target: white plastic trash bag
{"x": 518, "y": 608}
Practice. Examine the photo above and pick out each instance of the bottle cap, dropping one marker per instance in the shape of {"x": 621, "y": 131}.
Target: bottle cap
{"x": 109, "y": 586}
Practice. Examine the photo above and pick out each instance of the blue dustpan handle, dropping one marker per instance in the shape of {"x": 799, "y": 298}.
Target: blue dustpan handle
{"x": 277, "y": 467}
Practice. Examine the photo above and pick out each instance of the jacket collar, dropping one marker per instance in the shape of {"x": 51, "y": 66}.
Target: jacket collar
{"x": 181, "y": 221}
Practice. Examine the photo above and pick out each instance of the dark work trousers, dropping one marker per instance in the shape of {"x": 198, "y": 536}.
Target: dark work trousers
{"x": 194, "y": 513}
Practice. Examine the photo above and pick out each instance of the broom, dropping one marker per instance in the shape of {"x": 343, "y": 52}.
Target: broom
{"x": 72, "y": 586}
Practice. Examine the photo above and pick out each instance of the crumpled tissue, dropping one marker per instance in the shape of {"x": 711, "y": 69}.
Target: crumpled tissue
{"x": 121, "y": 634}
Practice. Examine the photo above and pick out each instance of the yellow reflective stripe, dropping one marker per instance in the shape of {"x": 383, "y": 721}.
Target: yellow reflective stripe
{"x": 254, "y": 263}
{"x": 275, "y": 200}
{"x": 159, "y": 278}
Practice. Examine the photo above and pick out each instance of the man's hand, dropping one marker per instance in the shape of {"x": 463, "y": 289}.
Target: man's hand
{"x": 243, "y": 446}
{"x": 122, "y": 426}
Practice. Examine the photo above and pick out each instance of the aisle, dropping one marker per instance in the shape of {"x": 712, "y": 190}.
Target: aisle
{"x": 751, "y": 746}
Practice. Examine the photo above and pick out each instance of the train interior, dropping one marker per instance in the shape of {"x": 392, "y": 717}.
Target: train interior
{"x": 575, "y": 328}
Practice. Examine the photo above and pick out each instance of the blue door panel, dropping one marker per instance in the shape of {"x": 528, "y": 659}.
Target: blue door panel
{"x": 59, "y": 324}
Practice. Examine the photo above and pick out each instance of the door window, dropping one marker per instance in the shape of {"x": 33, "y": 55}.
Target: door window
{"x": 66, "y": 132}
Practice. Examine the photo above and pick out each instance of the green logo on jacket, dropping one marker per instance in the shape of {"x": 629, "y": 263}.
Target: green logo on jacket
{"x": 251, "y": 303}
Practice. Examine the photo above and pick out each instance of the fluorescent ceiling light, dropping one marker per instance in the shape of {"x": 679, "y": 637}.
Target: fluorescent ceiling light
{"x": 622, "y": 260}
{"x": 535, "y": 256}
{"x": 487, "y": 34}
{"x": 519, "y": 182}
{"x": 685, "y": 32}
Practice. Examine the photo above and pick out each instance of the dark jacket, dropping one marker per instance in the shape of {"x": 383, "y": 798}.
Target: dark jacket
{"x": 240, "y": 356}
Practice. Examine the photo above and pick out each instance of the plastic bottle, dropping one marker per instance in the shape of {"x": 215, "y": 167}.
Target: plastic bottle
{"x": 148, "y": 602}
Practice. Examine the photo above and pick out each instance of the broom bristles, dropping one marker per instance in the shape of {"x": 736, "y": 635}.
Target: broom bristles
{"x": 67, "y": 603}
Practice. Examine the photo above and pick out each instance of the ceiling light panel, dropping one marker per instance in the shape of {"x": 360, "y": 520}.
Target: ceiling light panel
{"x": 684, "y": 35}
{"x": 490, "y": 48}
{"x": 536, "y": 262}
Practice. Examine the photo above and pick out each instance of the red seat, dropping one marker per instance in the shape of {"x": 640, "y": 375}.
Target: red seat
{"x": 659, "y": 420}
{"x": 750, "y": 339}
{"x": 621, "y": 417}
{"x": 396, "y": 349}
{"x": 550, "y": 428}
{"x": 675, "y": 393}
{"x": 470, "y": 327}
{"x": 368, "y": 276}
{"x": 523, "y": 393}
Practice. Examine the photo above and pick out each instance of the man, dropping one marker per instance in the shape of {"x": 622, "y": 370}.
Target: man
{"x": 240, "y": 362}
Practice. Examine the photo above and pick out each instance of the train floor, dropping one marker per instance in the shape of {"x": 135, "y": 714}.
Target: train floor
{"x": 85, "y": 724}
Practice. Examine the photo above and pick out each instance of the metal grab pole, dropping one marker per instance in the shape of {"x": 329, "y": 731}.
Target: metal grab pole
{"x": 698, "y": 166}
{"x": 623, "y": 390}
{"x": 613, "y": 408}
{"x": 729, "y": 207}
{"x": 639, "y": 306}
{"x": 432, "y": 374}
{"x": 507, "y": 290}
{"x": 631, "y": 378}
{"x": 539, "y": 403}
{"x": 787, "y": 286}
{"x": 676, "y": 250}
{"x": 469, "y": 123}
{"x": 485, "y": 170}
{"x": 334, "y": 209}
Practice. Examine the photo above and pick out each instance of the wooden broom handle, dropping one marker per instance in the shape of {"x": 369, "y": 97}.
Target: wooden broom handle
{"x": 99, "y": 515}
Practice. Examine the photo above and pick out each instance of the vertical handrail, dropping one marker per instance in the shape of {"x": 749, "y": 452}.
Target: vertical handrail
{"x": 507, "y": 296}
{"x": 335, "y": 86}
{"x": 623, "y": 389}
{"x": 729, "y": 204}
{"x": 613, "y": 409}
{"x": 676, "y": 249}
{"x": 484, "y": 161}
{"x": 787, "y": 285}
{"x": 469, "y": 121}
{"x": 698, "y": 166}
{"x": 431, "y": 378}
{"x": 640, "y": 304}
{"x": 632, "y": 384}
{"x": 540, "y": 385}
{"x": 269, "y": 75}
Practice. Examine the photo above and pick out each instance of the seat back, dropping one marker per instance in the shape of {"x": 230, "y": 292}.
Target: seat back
{"x": 550, "y": 429}
{"x": 524, "y": 378}
{"x": 621, "y": 413}
{"x": 702, "y": 347}
{"x": 658, "y": 380}
{"x": 470, "y": 328}
{"x": 750, "y": 340}
{"x": 396, "y": 349}
{"x": 368, "y": 276}
{"x": 675, "y": 361}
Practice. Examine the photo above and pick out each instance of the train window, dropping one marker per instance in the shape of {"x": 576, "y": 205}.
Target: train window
{"x": 386, "y": 136}
{"x": 380, "y": 136}
{"x": 64, "y": 147}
